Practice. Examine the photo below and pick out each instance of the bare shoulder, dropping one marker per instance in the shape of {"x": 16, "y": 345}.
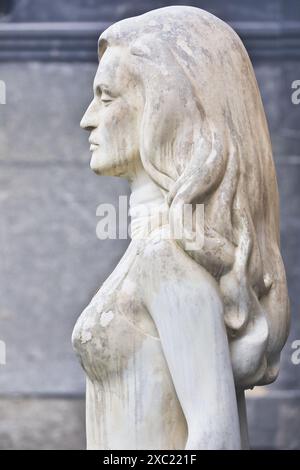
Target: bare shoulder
{"x": 163, "y": 259}
{"x": 167, "y": 277}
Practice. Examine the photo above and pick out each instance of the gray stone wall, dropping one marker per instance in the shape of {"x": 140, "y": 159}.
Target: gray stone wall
{"x": 51, "y": 260}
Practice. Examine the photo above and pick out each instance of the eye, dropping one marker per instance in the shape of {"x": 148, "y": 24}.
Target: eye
{"x": 105, "y": 97}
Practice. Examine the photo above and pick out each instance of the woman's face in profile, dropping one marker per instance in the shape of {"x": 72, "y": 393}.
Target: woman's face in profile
{"x": 114, "y": 116}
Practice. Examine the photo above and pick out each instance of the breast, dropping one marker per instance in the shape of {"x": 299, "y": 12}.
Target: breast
{"x": 131, "y": 400}
{"x": 110, "y": 332}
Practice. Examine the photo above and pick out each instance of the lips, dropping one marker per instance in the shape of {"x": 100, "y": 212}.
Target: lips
{"x": 93, "y": 147}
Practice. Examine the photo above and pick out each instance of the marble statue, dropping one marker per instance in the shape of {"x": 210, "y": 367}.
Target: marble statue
{"x": 177, "y": 333}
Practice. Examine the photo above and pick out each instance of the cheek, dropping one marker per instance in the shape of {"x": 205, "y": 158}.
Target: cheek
{"x": 118, "y": 132}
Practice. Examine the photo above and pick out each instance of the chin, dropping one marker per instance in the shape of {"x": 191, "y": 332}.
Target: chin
{"x": 100, "y": 167}
{"x": 97, "y": 165}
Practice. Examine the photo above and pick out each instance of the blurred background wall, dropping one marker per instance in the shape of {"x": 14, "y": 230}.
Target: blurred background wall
{"x": 51, "y": 260}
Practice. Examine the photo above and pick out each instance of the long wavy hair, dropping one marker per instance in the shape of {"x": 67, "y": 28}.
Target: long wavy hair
{"x": 204, "y": 139}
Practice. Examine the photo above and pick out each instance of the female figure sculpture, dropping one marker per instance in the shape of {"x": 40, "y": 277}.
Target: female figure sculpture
{"x": 176, "y": 333}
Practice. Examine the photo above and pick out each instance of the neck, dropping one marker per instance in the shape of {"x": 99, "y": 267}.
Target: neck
{"x": 147, "y": 206}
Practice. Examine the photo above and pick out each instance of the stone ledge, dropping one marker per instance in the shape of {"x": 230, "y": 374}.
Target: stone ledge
{"x": 274, "y": 420}
{"x": 59, "y": 423}
{"x": 42, "y": 424}
{"x": 67, "y": 41}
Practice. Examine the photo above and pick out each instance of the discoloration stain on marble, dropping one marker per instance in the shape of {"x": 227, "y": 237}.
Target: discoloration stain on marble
{"x": 106, "y": 318}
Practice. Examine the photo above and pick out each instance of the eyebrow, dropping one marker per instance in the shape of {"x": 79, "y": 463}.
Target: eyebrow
{"x": 103, "y": 85}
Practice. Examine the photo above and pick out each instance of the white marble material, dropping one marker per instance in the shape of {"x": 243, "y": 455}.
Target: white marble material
{"x": 176, "y": 334}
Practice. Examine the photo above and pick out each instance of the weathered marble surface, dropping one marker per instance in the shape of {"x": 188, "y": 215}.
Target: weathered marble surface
{"x": 176, "y": 334}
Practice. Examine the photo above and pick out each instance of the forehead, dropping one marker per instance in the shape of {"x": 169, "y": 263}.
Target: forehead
{"x": 112, "y": 69}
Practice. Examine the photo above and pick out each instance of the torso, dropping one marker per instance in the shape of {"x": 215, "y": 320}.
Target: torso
{"x": 131, "y": 400}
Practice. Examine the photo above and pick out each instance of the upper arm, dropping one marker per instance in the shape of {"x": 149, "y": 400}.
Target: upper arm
{"x": 185, "y": 304}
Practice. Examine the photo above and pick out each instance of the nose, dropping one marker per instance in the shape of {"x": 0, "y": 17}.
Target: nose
{"x": 90, "y": 118}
